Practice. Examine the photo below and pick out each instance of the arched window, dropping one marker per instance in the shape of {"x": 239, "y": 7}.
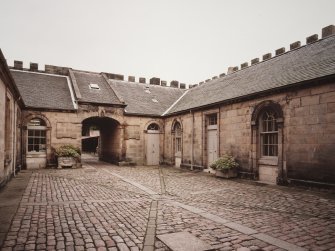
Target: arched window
{"x": 153, "y": 126}
{"x": 268, "y": 133}
{"x": 36, "y": 136}
{"x": 177, "y": 137}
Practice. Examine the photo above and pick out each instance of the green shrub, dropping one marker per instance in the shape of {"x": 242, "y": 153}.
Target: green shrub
{"x": 67, "y": 151}
{"x": 224, "y": 162}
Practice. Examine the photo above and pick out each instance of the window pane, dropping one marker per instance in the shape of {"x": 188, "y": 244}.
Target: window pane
{"x": 269, "y": 134}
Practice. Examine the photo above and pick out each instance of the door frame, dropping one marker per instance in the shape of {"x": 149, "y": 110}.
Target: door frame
{"x": 148, "y": 134}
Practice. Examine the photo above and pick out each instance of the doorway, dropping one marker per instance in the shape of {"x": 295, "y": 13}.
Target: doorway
{"x": 101, "y": 136}
{"x": 152, "y": 144}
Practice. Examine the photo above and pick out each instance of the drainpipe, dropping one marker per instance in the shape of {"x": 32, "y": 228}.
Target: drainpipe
{"x": 14, "y": 139}
{"x": 192, "y": 139}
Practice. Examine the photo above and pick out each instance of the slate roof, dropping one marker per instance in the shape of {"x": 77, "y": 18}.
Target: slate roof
{"x": 43, "y": 90}
{"x": 103, "y": 96}
{"x": 141, "y": 102}
{"x": 308, "y": 62}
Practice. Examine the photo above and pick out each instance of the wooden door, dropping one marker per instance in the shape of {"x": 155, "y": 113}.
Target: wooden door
{"x": 212, "y": 145}
{"x": 152, "y": 147}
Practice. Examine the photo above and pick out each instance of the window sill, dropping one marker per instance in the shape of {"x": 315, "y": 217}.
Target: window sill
{"x": 268, "y": 160}
{"x": 36, "y": 154}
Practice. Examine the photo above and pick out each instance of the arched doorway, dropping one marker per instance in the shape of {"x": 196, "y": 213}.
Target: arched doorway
{"x": 36, "y": 142}
{"x": 102, "y": 136}
{"x": 152, "y": 151}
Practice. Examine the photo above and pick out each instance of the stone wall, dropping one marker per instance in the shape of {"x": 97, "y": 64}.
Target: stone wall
{"x": 308, "y": 133}
{"x": 124, "y": 139}
{"x": 3, "y": 175}
{"x": 9, "y": 134}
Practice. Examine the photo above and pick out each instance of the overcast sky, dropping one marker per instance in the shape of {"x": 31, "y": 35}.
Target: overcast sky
{"x": 185, "y": 40}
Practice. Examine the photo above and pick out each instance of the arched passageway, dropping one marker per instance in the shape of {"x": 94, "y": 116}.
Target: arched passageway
{"x": 102, "y": 136}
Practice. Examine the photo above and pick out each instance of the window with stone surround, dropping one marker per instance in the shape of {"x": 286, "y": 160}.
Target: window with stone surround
{"x": 268, "y": 133}
{"x": 153, "y": 126}
{"x": 36, "y": 142}
{"x": 177, "y": 137}
{"x": 212, "y": 119}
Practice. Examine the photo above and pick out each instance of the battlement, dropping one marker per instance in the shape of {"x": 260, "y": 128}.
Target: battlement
{"x": 325, "y": 32}
{"x": 59, "y": 70}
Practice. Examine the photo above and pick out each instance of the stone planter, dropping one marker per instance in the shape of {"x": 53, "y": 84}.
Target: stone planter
{"x": 226, "y": 173}
{"x": 70, "y": 162}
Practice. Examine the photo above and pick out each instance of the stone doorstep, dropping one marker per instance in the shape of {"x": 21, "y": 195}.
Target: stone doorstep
{"x": 183, "y": 241}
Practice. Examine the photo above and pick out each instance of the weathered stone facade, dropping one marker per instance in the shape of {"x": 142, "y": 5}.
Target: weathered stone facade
{"x": 125, "y": 141}
{"x": 276, "y": 117}
{"x": 10, "y": 121}
{"x": 307, "y": 137}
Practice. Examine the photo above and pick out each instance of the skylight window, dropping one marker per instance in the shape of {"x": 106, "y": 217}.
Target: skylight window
{"x": 146, "y": 89}
{"x": 94, "y": 86}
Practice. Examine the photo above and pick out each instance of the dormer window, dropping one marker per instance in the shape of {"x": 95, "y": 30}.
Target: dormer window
{"x": 94, "y": 86}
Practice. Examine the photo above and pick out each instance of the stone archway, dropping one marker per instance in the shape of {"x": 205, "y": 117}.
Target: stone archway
{"x": 103, "y": 136}
{"x": 36, "y": 141}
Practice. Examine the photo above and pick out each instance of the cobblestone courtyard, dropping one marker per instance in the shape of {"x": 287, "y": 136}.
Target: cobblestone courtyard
{"x": 106, "y": 207}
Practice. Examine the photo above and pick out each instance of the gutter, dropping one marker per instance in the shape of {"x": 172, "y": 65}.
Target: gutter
{"x": 192, "y": 141}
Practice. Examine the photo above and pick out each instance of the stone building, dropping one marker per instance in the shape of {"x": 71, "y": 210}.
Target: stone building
{"x": 276, "y": 116}
{"x": 10, "y": 122}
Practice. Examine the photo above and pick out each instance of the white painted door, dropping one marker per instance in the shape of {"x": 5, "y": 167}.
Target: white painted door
{"x": 153, "y": 147}
{"x": 212, "y": 143}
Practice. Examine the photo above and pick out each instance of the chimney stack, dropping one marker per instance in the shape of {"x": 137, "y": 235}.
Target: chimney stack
{"x": 142, "y": 80}
{"x": 174, "y": 84}
{"x": 163, "y": 83}
{"x": 222, "y": 75}
{"x": 254, "y": 61}
{"x": 267, "y": 56}
{"x": 328, "y": 31}
{"x": 215, "y": 77}
{"x": 18, "y": 65}
{"x": 33, "y": 66}
{"x": 312, "y": 39}
{"x": 244, "y": 65}
{"x": 182, "y": 86}
{"x": 155, "y": 81}
{"x": 295, "y": 45}
{"x": 232, "y": 69}
{"x": 280, "y": 51}
{"x": 113, "y": 76}
{"x": 131, "y": 79}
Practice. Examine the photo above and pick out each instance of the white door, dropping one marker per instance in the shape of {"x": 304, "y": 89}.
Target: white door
{"x": 152, "y": 147}
{"x": 212, "y": 144}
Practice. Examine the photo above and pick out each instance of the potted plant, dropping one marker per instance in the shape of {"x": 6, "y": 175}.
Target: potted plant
{"x": 68, "y": 156}
{"x": 225, "y": 167}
